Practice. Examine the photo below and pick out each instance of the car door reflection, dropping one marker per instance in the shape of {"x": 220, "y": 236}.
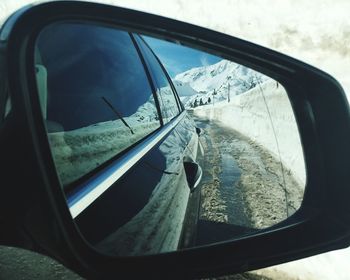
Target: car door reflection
{"x": 144, "y": 211}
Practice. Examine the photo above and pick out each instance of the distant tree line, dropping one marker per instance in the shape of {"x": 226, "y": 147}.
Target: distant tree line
{"x": 199, "y": 102}
{"x": 247, "y": 84}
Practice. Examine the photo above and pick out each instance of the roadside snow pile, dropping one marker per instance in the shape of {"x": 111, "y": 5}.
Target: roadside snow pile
{"x": 248, "y": 114}
{"x": 217, "y": 82}
{"x": 327, "y": 266}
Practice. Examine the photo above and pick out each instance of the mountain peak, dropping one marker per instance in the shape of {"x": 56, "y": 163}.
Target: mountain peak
{"x": 224, "y": 77}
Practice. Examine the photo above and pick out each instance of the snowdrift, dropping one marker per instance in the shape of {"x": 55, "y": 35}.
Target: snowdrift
{"x": 248, "y": 114}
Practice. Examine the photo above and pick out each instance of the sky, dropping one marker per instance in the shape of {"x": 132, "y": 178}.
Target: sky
{"x": 177, "y": 59}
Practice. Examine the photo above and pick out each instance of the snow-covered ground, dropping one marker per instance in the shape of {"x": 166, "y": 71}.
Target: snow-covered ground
{"x": 250, "y": 115}
{"x": 329, "y": 266}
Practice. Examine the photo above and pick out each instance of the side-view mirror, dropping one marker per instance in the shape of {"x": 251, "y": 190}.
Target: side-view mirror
{"x": 122, "y": 154}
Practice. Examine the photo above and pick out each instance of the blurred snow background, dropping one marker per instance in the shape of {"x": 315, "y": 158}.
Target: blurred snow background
{"x": 315, "y": 32}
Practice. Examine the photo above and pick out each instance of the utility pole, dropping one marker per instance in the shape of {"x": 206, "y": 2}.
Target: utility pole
{"x": 228, "y": 93}
{"x": 214, "y": 93}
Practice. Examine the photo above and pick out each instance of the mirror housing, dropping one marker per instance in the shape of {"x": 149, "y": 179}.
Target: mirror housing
{"x": 39, "y": 218}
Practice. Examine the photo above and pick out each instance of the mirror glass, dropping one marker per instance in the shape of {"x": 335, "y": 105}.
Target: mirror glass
{"x": 160, "y": 147}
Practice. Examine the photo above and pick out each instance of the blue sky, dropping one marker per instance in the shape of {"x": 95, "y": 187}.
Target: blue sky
{"x": 177, "y": 59}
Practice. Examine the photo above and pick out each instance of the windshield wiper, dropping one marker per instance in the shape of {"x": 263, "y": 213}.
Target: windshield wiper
{"x": 117, "y": 113}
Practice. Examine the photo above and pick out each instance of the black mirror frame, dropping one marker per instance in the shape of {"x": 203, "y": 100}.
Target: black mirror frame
{"x": 321, "y": 110}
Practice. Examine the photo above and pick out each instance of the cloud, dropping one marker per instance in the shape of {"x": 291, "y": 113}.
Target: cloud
{"x": 204, "y": 60}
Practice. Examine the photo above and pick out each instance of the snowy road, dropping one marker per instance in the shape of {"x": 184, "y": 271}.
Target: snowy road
{"x": 243, "y": 189}
{"x": 219, "y": 197}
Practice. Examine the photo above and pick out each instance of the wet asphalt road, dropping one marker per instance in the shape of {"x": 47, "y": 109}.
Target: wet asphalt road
{"x": 243, "y": 188}
{"x": 221, "y": 172}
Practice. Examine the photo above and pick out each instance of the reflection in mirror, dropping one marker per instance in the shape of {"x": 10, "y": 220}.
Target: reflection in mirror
{"x": 161, "y": 147}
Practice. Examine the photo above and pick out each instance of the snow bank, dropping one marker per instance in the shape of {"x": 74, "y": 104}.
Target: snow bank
{"x": 248, "y": 114}
{"x": 328, "y": 266}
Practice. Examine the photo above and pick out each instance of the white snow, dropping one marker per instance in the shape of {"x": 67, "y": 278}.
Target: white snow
{"x": 219, "y": 81}
{"x": 248, "y": 114}
{"x": 239, "y": 103}
{"x": 217, "y": 76}
{"x": 185, "y": 91}
{"x": 329, "y": 266}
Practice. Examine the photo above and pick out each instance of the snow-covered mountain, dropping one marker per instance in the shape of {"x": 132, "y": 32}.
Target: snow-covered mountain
{"x": 217, "y": 81}
{"x": 185, "y": 91}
